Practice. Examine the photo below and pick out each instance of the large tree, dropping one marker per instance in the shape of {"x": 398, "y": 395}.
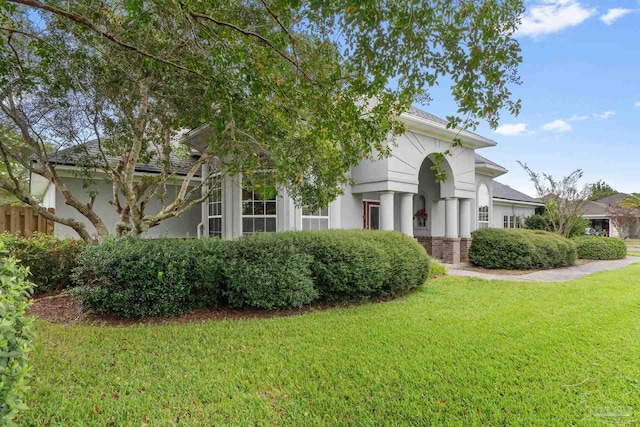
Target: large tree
{"x": 302, "y": 89}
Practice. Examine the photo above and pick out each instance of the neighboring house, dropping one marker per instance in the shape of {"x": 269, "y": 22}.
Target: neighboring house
{"x": 599, "y": 214}
{"x": 386, "y": 194}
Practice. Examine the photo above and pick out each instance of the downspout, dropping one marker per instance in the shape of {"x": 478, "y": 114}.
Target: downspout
{"x": 200, "y": 230}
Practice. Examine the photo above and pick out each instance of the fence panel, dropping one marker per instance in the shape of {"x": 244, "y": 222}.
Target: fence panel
{"x": 24, "y": 221}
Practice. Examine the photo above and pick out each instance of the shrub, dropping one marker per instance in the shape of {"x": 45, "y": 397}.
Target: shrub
{"x": 130, "y": 277}
{"x": 50, "y": 260}
{"x": 520, "y": 249}
{"x": 164, "y": 277}
{"x": 15, "y": 337}
{"x": 357, "y": 264}
{"x": 537, "y": 222}
{"x": 266, "y": 271}
{"x": 437, "y": 270}
{"x": 590, "y": 247}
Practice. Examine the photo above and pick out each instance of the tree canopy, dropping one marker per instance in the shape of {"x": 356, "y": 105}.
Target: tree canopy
{"x": 303, "y": 89}
{"x": 600, "y": 189}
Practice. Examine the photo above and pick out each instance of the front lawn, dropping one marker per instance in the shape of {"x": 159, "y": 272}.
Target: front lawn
{"x": 458, "y": 351}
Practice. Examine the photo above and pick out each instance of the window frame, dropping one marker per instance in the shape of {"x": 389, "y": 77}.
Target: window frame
{"x": 217, "y": 178}
{"x": 483, "y": 211}
{"x": 255, "y": 216}
{"x": 318, "y": 218}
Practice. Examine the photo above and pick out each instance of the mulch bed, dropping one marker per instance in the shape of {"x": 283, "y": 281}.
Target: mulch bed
{"x": 65, "y": 309}
{"x": 472, "y": 267}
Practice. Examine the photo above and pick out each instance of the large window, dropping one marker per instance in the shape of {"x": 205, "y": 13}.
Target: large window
{"x": 258, "y": 207}
{"x": 315, "y": 220}
{"x": 215, "y": 206}
{"x": 483, "y": 206}
{"x": 512, "y": 221}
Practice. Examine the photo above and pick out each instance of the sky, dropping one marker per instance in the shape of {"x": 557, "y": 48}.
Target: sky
{"x": 580, "y": 95}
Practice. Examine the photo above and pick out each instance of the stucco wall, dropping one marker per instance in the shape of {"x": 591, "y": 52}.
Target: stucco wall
{"x": 184, "y": 226}
{"x": 501, "y": 209}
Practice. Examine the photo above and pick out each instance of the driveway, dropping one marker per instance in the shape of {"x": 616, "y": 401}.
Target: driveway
{"x": 553, "y": 275}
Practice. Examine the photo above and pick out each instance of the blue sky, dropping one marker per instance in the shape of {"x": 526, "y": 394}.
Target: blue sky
{"x": 580, "y": 95}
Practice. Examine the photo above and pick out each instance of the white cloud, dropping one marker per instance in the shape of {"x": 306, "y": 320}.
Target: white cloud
{"x": 511, "y": 129}
{"x": 637, "y": 104}
{"x": 552, "y": 16}
{"x": 605, "y": 115}
{"x": 614, "y": 14}
{"x": 557, "y": 126}
{"x": 577, "y": 118}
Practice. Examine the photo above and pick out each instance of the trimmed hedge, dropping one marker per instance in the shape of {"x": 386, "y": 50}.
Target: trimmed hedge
{"x": 15, "y": 336}
{"x": 520, "y": 249}
{"x": 50, "y": 260}
{"x": 591, "y": 247}
{"x": 130, "y": 277}
{"x": 164, "y": 277}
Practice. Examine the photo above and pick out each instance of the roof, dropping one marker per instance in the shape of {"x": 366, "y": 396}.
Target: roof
{"x": 501, "y": 191}
{"x": 439, "y": 125}
{"x": 614, "y": 199}
{"x": 91, "y": 151}
{"x": 595, "y": 208}
{"x": 484, "y": 161}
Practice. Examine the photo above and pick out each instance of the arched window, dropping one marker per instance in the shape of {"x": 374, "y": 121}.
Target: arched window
{"x": 483, "y": 206}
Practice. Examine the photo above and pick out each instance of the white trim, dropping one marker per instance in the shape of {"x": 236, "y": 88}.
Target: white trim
{"x": 515, "y": 202}
{"x": 466, "y": 138}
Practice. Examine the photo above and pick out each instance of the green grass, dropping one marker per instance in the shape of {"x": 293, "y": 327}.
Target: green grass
{"x": 633, "y": 253}
{"x": 459, "y": 351}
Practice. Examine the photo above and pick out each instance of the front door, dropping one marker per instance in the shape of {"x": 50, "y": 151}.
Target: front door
{"x": 371, "y": 214}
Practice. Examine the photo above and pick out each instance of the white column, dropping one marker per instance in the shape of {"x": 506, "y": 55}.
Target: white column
{"x": 406, "y": 213}
{"x": 386, "y": 210}
{"x": 451, "y": 217}
{"x": 465, "y": 218}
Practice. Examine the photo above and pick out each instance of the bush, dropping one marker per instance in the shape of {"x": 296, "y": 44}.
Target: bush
{"x": 50, "y": 260}
{"x": 164, "y": 277}
{"x": 590, "y": 247}
{"x": 266, "y": 271}
{"x": 520, "y": 249}
{"x": 15, "y": 337}
{"x": 130, "y": 277}
{"x": 537, "y": 222}
{"x": 357, "y": 264}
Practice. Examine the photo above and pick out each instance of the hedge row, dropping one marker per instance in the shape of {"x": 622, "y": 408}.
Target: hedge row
{"x": 520, "y": 249}
{"x": 50, "y": 260}
{"x": 15, "y": 336}
{"x": 163, "y": 277}
{"x": 591, "y": 247}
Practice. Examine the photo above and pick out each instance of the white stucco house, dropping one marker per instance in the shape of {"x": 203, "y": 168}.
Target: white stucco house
{"x": 386, "y": 194}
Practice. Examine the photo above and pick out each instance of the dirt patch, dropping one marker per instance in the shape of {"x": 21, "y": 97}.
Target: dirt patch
{"x": 66, "y": 310}
{"x": 499, "y": 272}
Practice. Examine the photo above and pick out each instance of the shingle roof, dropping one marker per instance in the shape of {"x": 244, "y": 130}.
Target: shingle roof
{"x": 595, "y": 208}
{"x": 90, "y": 151}
{"x": 415, "y": 111}
{"x": 484, "y": 161}
{"x": 501, "y": 191}
{"x": 614, "y": 199}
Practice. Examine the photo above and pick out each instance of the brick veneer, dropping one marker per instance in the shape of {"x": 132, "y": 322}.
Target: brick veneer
{"x": 465, "y": 245}
{"x": 433, "y": 245}
{"x": 451, "y": 250}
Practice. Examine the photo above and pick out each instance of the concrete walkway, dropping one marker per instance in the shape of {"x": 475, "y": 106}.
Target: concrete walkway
{"x": 554, "y": 275}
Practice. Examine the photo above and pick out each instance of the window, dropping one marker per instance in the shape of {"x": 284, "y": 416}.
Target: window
{"x": 483, "y": 206}
{"x": 258, "y": 207}
{"x": 215, "y": 206}
{"x": 512, "y": 221}
{"x": 315, "y": 220}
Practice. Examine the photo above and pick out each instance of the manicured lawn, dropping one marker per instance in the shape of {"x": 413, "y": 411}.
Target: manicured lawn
{"x": 633, "y": 253}
{"x": 459, "y": 351}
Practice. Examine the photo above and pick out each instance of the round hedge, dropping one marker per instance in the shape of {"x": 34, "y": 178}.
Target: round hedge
{"x": 163, "y": 277}
{"x": 520, "y": 249}
{"x": 592, "y": 247}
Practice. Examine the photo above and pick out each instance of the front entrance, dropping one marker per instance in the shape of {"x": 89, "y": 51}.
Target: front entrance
{"x": 371, "y": 214}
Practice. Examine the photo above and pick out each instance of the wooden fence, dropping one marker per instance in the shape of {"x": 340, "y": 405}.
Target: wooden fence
{"x": 24, "y": 221}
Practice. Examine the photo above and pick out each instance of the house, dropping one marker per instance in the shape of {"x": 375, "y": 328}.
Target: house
{"x": 398, "y": 192}
{"x": 599, "y": 215}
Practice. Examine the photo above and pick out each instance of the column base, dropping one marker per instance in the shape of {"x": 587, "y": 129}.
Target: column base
{"x": 451, "y": 250}
{"x": 465, "y": 245}
{"x": 433, "y": 245}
